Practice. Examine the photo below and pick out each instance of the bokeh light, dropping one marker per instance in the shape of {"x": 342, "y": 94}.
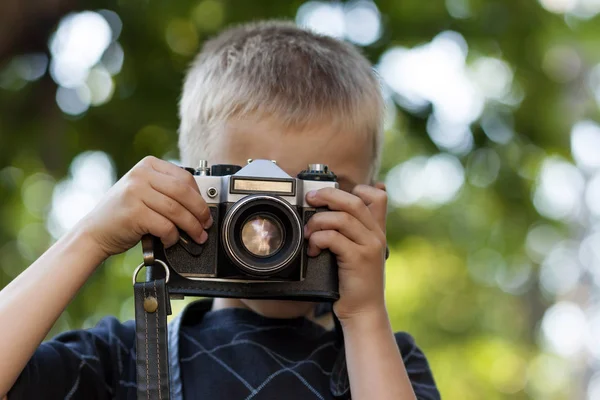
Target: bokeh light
{"x": 493, "y": 77}
{"x": 428, "y": 182}
{"x": 559, "y": 6}
{"x": 483, "y": 168}
{"x": 36, "y": 190}
{"x": 100, "y": 84}
{"x": 434, "y": 73}
{"x": 181, "y": 36}
{"x": 209, "y": 15}
{"x": 491, "y": 160}
{"x": 584, "y": 9}
{"x": 560, "y": 271}
{"x": 454, "y": 138}
{"x": 363, "y": 22}
{"x": 358, "y": 21}
{"x": 85, "y": 55}
{"x": 90, "y": 176}
{"x": 496, "y": 127}
{"x": 78, "y": 45}
{"x": 592, "y": 195}
{"x": 565, "y": 330}
{"x": 585, "y": 144}
{"x": 541, "y": 239}
{"x": 32, "y": 66}
{"x": 559, "y": 191}
{"x": 113, "y": 58}
{"x": 589, "y": 254}
{"x": 459, "y": 9}
{"x": 593, "y": 391}
{"x": 548, "y": 375}
{"x": 322, "y": 17}
{"x": 73, "y": 101}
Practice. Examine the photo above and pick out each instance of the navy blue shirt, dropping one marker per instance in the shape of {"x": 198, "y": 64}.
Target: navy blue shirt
{"x": 226, "y": 354}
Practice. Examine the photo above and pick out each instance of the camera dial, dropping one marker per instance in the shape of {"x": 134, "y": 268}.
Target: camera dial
{"x": 202, "y": 169}
{"x": 224, "y": 169}
{"x": 317, "y": 172}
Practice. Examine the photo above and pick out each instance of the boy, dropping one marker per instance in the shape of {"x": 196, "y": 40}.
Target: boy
{"x": 262, "y": 91}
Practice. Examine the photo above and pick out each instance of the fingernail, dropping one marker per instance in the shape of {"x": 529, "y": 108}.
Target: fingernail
{"x": 209, "y": 223}
{"x": 305, "y": 231}
{"x": 312, "y": 194}
{"x": 203, "y": 237}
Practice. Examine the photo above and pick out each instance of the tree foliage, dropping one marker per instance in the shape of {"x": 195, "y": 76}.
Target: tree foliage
{"x": 465, "y": 275}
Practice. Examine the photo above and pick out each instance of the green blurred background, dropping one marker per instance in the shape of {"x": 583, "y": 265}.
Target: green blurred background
{"x": 492, "y": 161}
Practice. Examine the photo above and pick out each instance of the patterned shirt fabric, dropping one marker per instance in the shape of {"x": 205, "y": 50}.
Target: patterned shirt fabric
{"x": 226, "y": 354}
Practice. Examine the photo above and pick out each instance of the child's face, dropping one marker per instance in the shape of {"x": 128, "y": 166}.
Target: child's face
{"x": 348, "y": 155}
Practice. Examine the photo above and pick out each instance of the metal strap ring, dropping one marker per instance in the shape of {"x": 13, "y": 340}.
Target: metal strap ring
{"x": 142, "y": 265}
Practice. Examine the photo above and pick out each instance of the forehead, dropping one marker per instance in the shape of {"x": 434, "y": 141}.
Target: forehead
{"x": 347, "y": 154}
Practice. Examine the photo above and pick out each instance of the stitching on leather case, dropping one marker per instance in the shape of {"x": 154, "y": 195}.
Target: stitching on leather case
{"x": 147, "y": 372}
{"x": 157, "y": 346}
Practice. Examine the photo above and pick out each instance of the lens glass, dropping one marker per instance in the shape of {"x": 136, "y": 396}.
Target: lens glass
{"x": 262, "y": 235}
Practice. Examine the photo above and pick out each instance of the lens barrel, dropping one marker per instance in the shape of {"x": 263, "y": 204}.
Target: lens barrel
{"x": 262, "y": 234}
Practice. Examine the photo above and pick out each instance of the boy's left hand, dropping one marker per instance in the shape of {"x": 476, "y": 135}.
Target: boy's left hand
{"x": 354, "y": 230}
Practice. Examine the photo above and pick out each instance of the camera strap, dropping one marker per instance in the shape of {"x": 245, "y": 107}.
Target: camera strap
{"x": 152, "y": 306}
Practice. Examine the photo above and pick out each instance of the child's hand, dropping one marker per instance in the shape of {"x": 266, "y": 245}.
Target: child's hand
{"x": 354, "y": 230}
{"x": 154, "y": 197}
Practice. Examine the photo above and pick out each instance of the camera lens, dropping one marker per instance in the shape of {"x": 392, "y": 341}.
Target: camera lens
{"x": 262, "y": 235}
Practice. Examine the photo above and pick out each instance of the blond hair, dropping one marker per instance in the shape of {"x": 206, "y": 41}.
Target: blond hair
{"x": 278, "y": 69}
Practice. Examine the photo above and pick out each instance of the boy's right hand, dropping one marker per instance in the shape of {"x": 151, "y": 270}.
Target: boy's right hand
{"x": 154, "y": 197}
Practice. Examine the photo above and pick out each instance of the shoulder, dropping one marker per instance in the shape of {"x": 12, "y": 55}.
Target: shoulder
{"x": 108, "y": 342}
{"x": 108, "y": 331}
{"x": 112, "y": 325}
{"x": 417, "y": 367}
{"x": 83, "y": 363}
{"x": 404, "y": 339}
{"x": 406, "y": 343}
{"x": 412, "y": 355}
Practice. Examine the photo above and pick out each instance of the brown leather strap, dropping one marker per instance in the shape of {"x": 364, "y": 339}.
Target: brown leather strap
{"x": 151, "y": 309}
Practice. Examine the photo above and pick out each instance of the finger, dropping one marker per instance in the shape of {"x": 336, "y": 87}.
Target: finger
{"x": 339, "y": 221}
{"x": 337, "y": 243}
{"x": 167, "y": 168}
{"x": 338, "y": 200}
{"x": 176, "y": 213}
{"x": 376, "y": 201}
{"x": 380, "y": 186}
{"x": 182, "y": 193}
{"x": 161, "y": 227}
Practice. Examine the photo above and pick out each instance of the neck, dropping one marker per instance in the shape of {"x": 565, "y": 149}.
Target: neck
{"x": 220, "y": 303}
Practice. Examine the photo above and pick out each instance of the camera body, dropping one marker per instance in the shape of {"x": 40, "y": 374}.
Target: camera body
{"x": 256, "y": 246}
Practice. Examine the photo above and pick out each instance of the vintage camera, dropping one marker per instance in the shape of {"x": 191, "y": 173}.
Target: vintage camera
{"x": 255, "y": 247}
